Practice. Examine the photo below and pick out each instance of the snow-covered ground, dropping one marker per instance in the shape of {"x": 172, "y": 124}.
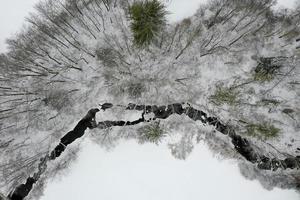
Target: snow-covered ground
{"x": 132, "y": 171}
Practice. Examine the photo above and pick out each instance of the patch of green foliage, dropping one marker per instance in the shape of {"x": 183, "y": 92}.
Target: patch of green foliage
{"x": 151, "y": 133}
{"x": 263, "y": 76}
{"x": 262, "y": 130}
{"x": 225, "y": 95}
{"x": 148, "y": 18}
{"x": 266, "y": 70}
